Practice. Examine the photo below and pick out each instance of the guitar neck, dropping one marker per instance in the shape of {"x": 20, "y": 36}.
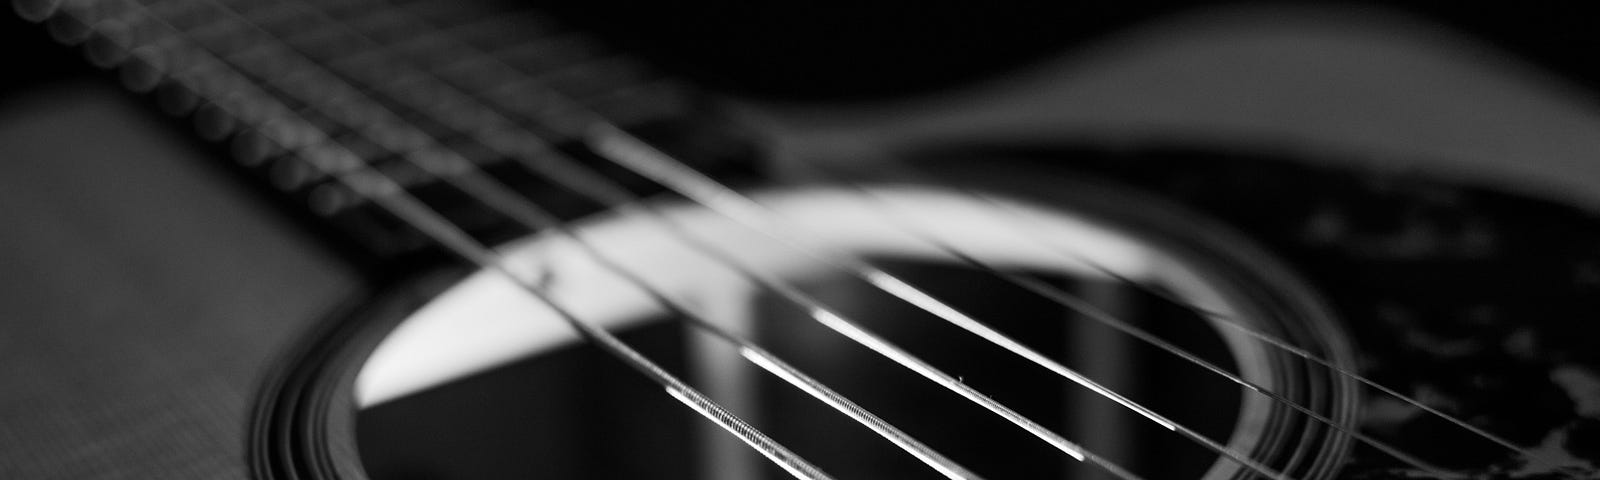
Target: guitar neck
{"x": 419, "y": 92}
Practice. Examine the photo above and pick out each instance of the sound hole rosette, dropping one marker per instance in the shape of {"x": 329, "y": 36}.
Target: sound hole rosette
{"x": 306, "y": 421}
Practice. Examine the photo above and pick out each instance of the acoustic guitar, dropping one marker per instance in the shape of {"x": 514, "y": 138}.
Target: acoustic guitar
{"x": 440, "y": 239}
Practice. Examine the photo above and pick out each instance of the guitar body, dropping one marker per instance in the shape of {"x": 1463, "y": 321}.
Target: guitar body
{"x": 138, "y": 355}
{"x": 162, "y": 313}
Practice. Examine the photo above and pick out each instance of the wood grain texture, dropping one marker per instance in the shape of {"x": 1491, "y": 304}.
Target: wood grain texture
{"x": 143, "y": 295}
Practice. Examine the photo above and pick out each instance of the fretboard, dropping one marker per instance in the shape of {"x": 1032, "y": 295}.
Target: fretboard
{"x": 415, "y": 91}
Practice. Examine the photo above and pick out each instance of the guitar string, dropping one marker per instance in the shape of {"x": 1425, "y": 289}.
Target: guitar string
{"x": 895, "y": 286}
{"x": 770, "y": 367}
{"x": 766, "y": 361}
{"x": 615, "y": 144}
{"x": 687, "y": 180}
{"x": 1322, "y": 419}
{"x": 1286, "y": 346}
{"x": 227, "y": 87}
{"x": 1257, "y": 388}
{"x": 1084, "y": 307}
{"x": 501, "y": 198}
{"x": 1301, "y": 408}
{"x": 839, "y": 323}
{"x": 646, "y": 160}
{"x": 1227, "y": 320}
{"x": 506, "y": 86}
{"x": 625, "y": 149}
{"x": 545, "y": 43}
{"x": 1069, "y": 452}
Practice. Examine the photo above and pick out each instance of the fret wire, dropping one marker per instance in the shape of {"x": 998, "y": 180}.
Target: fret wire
{"x": 497, "y": 87}
{"x": 494, "y": 16}
{"x": 504, "y": 91}
{"x": 386, "y": 130}
{"x": 397, "y": 201}
{"x": 409, "y": 42}
{"x": 905, "y": 359}
{"x": 465, "y": 116}
{"x": 245, "y": 56}
{"x": 207, "y": 28}
{"x": 426, "y": 42}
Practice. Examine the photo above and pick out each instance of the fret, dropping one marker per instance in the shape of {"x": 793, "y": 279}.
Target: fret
{"x": 486, "y": 24}
{"x": 416, "y": 88}
{"x": 446, "y": 12}
{"x": 246, "y": 7}
{"x": 535, "y": 57}
{"x": 420, "y": 48}
{"x": 200, "y": 21}
{"x": 429, "y": 104}
{"x": 179, "y": 18}
{"x": 221, "y": 33}
{"x": 262, "y": 53}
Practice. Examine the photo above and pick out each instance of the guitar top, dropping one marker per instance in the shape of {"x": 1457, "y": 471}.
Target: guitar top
{"x": 433, "y": 239}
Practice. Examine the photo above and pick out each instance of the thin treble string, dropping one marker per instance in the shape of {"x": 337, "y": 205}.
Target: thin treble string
{"x": 343, "y": 166}
{"x": 447, "y": 176}
{"x": 501, "y": 198}
{"x": 767, "y": 362}
{"x": 504, "y": 199}
{"x": 351, "y": 61}
{"x": 498, "y": 196}
{"x": 1062, "y": 297}
{"x": 633, "y": 153}
{"x": 222, "y": 29}
{"x": 637, "y": 155}
{"x": 1306, "y": 354}
{"x": 753, "y": 215}
{"x": 1240, "y": 326}
{"x": 393, "y": 86}
{"x": 655, "y": 164}
{"x": 203, "y": 29}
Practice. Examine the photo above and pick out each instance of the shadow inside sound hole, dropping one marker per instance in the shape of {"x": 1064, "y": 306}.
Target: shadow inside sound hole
{"x": 575, "y": 413}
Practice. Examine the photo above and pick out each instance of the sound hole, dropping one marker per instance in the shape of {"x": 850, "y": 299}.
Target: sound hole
{"x": 575, "y": 413}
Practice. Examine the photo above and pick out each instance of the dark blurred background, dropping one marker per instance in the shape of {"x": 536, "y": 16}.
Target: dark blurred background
{"x": 871, "y": 49}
